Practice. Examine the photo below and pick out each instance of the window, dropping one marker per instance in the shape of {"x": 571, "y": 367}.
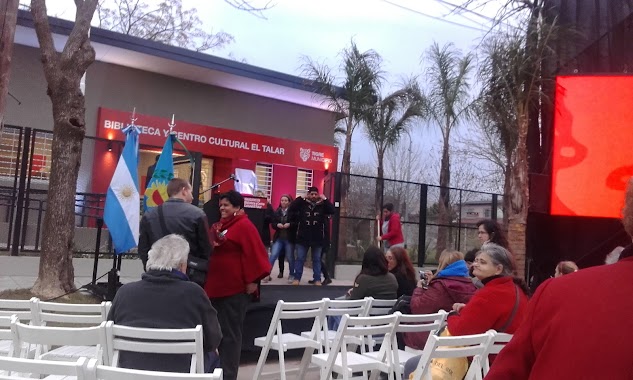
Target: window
{"x": 10, "y": 155}
{"x": 487, "y": 213}
{"x": 264, "y": 174}
{"x": 304, "y": 180}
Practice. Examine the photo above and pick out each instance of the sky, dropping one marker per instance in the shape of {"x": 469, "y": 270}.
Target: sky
{"x": 399, "y": 30}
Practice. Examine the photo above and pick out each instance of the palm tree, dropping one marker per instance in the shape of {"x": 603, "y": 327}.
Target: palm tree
{"x": 513, "y": 85}
{"x": 449, "y": 104}
{"x": 385, "y": 123}
{"x": 351, "y": 96}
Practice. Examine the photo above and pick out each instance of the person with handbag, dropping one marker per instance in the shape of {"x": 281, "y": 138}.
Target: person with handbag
{"x": 500, "y": 305}
{"x": 178, "y": 216}
{"x": 238, "y": 263}
{"x": 451, "y": 284}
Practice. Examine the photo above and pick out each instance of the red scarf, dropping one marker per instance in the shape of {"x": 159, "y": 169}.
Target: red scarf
{"x": 219, "y": 229}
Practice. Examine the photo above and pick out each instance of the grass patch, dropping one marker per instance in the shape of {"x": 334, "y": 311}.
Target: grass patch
{"x": 26, "y": 294}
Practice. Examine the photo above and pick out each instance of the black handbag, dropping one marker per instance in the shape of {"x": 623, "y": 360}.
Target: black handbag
{"x": 403, "y": 305}
{"x": 197, "y": 267}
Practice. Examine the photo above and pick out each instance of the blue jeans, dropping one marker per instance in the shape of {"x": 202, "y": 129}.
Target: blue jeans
{"x": 289, "y": 249}
{"x": 302, "y": 252}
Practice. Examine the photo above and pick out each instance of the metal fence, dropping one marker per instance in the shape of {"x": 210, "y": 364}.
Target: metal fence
{"x": 359, "y": 199}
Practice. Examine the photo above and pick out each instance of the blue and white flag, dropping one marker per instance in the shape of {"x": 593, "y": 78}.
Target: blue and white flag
{"x": 122, "y": 206}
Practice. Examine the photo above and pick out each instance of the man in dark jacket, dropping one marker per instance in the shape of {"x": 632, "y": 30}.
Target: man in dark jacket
{"x": 180, "y": 217}
{"x": 164, "y": 298}
{"x": 312, "y": 214}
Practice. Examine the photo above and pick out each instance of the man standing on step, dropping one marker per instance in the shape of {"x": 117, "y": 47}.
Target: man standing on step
{"x": 312, "y": 214}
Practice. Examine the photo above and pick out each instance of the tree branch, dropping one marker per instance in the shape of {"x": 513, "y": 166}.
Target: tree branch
{"x": 50, "y": 59}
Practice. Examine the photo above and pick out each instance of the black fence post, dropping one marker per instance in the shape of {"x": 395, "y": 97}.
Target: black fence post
{"x": 424, "y": 191}
{"x": 17, "y": 233}
{"x": 332, "y": 254}
{"x": 95, "y": 267}
{"x": 495, "y": 205}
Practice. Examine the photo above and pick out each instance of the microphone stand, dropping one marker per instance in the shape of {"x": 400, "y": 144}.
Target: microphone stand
{"x": 215, "y": 186}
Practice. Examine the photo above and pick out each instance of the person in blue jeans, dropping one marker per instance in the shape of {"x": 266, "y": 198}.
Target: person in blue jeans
{"x": 312, "y": 214}
{"x": 285, "y": 226}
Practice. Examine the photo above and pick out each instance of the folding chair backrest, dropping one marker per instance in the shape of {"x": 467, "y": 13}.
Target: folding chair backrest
{"x": 19, "y": 308}
{"x": 85, "y": 314}
{"x": 381, "y": 307}
{"x": 408, "y": 323}
{"x": 100, "y": 372}
{"x": 352, "y": 329}
{"x": 353, "y": 308}
{"x": 16, "y": 366}
{"x": 25, "y": 336}
{"x": 157, "y": 341}
{"x": 499, "y": 342}
{"x": 455, "y": 347}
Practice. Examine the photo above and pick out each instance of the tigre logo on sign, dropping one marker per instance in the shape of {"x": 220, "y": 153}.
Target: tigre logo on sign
{"x": 304, "y": 153}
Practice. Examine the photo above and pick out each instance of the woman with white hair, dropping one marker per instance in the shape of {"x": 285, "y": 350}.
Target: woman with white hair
{"x": 165, "y": 299}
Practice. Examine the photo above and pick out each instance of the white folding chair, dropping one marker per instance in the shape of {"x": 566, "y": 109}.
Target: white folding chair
{"x": 43, "y": 337}
{"x": 345, "y": 362}
{"x": 94, "y": 371}
{"x": 8, "y": 308}
{"x": 158, "y": 341}
{"x": 28, "y": 368}
{"x": 380, "y": 307}
{"x": 410, "y": 323}
{"x": 454, "y": 347}
{"x": 338, "y": 308}
{"x": 499, "y": 342}
{"x": 277, "y": 340}
{"x": 45, "y": 313}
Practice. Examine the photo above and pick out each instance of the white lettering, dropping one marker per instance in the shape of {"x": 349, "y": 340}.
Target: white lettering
{"x": 273, "y": 150}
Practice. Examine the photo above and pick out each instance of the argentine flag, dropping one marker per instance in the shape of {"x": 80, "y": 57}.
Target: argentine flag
{"x": 122, "y": 207}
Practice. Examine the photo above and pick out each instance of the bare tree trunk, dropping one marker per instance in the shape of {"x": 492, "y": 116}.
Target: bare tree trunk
{"x": 520, "y": 197}
{"x": 63, "y": 72}
{"x": 8, "y": 20}
{"x": 444, "y": 201}
{"x": 507, "y": 187}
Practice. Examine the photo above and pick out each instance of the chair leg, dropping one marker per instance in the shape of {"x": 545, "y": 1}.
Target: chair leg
{"x": 305, "y": 362}
{"x": 282, "y": 362}
{"x": 261, "y": 361}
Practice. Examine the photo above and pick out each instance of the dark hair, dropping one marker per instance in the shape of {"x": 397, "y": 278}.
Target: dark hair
{"x": 313, "y": 189}
{"x": 388, "y": 207}
{"x": 175, "y": 185}
{"x": 470, "y": 255}
{"x": 501, "y": 256}
{"x": 287, "y": 196}
{"x": 495, "y": 232}
{"x": 403, "y": 263}
{"x": 374, "y": 262}
{"x": 234, "y": 198}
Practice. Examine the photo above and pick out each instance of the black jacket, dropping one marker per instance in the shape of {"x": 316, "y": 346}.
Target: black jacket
{"x": 265, "y": 231}
{"x": 311, "y": 218}
{"x": 166, "y": 300}
{"x": 278, "y": 217}
{"x": 180, "y": 218}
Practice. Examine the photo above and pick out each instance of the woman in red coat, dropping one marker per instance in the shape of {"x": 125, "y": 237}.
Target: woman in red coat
{"x": 500, "y": 305}
{"x": 239, "y": 260}
{"x": 451, "y": 284}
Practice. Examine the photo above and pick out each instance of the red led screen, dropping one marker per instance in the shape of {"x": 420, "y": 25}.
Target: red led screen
{"x": 593, "y": 145}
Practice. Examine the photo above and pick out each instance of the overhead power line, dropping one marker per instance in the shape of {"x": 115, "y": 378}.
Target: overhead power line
{"x": 433, "y": 17}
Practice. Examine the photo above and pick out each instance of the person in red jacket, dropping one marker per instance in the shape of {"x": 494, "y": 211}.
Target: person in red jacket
{"x": 390, "y": 227}
{"x": 500, "y": 305}
{"x": 451, "y": 284}
{"x": 238, "y": 262}
{"x": 576, "y": 325}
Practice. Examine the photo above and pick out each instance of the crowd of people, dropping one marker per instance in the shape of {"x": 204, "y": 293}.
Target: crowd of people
{"x": 207, "y": 275}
